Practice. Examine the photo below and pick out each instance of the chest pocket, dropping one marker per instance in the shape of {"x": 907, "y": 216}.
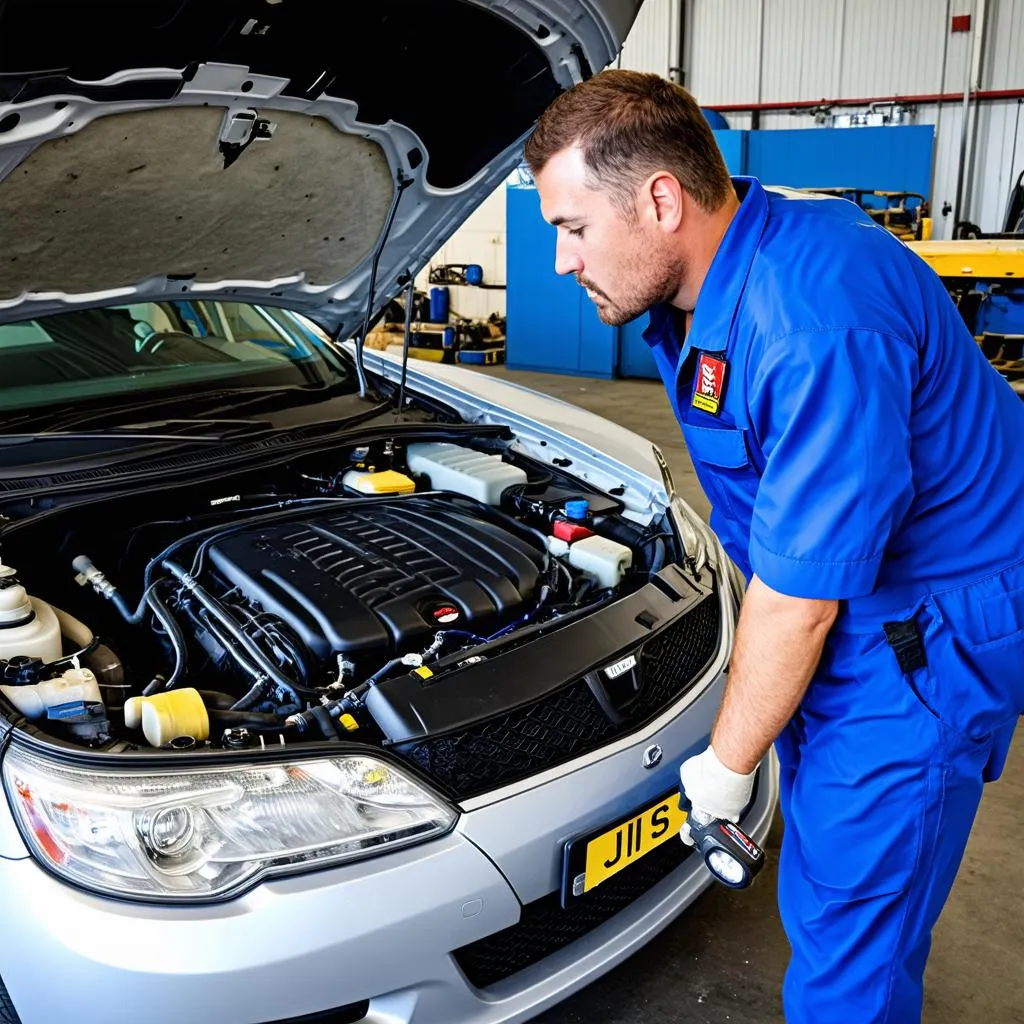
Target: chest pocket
{"x": 723, "y": 466}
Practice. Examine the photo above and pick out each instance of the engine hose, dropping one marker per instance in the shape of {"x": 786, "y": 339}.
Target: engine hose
{"x": 278, "y": 633}
{"x": 382, "y": 672}
{"x": 259, "y": 688}
{"x": 491, "y": 512}
{"x": 174, "y": 635}
{"x": 258, "y": 721}
{"x": 462, "y": 634}
{"x": 249, "y": 699}
{"x": 234, "y": 630}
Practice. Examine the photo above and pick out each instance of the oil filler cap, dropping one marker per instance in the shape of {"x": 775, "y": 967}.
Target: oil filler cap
{"x": 442, "y": 613}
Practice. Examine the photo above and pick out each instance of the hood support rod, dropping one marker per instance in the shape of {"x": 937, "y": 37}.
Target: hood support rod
{"x": 409, "y": 297}
{"x": 401, "y": 184}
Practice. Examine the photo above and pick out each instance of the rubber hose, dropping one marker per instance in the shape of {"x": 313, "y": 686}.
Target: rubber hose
{"x": 223, "y": 617}
{"x": 174, "y": 634}
{"x": 245, "y": 702}
{"x": 231, "y": 719}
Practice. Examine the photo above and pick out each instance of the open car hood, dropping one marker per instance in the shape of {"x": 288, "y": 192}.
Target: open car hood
{"x": 266, "y": 144}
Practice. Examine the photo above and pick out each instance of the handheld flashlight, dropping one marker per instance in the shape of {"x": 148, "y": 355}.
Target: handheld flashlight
{"x": 730, "y": 854}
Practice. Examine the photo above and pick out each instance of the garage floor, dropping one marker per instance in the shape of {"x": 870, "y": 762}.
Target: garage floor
{"x": 724, "y": 959}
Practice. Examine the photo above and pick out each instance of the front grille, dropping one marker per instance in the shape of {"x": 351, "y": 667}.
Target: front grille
{"x": 545, "y": 927}
{"x": 570, "y": 721}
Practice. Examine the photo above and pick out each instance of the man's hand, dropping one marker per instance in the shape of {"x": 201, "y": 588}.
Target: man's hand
{"x": 713, "y": 790}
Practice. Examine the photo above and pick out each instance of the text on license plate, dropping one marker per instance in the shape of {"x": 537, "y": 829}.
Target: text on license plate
{"x": 626, "y": 843}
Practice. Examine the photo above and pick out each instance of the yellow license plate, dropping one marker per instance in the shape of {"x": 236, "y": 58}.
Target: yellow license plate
{"x": 625, "y": 843}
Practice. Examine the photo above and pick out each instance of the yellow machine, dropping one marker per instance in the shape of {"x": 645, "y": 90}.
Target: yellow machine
{"x": 985, "y": 278}
{"x": 974, "y": 260}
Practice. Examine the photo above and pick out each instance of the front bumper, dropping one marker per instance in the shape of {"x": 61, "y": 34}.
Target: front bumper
{"x": 384, "y": 930}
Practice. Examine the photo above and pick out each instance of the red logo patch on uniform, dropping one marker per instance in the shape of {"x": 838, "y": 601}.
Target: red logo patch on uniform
{"x": 710, "y": 384}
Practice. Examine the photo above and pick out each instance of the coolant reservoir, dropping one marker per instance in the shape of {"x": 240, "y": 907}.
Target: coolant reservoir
{"x": 451, "y": 467}
{"x": 603, "y": 559}
{"x": 28, "y": 626}
{"x": 76, "y": 687}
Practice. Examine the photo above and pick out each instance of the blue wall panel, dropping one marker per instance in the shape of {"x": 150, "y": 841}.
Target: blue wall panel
{"x": 551, "y": 324}
{"x": 635, "y": 359}
{"x": 733, "y": 144}
{"x": 897, "y": 158}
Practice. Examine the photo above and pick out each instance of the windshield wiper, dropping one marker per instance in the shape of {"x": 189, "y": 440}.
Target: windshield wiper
{"x": 138, "y": 432}
{"x": 72, "y": 416}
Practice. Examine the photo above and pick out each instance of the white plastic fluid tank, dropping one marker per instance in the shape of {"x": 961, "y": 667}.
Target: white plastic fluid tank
{"x": 451, "y": 467}
{"x": 77, "y": 684}
{"x": 605, "y": 560}
{"x": 28, "y": 626}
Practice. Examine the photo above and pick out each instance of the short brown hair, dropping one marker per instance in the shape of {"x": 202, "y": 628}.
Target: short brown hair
{"x": 629, "y": 125}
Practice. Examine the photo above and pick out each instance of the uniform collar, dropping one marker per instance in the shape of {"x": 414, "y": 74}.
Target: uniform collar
{"x": 720, "y": 294}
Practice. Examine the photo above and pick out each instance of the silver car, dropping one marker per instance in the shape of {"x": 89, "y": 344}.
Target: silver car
{"x": 332, "y": 688}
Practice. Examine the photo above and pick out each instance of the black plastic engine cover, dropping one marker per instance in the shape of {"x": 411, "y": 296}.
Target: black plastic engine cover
{"x": 382, "y": 577}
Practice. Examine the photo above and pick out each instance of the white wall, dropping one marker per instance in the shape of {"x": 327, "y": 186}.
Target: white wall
{"x": 781, "y": 51}
{"x": 481, "y": 239}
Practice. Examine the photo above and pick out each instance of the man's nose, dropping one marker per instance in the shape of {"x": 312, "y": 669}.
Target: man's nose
{"x": 567, "y": 261}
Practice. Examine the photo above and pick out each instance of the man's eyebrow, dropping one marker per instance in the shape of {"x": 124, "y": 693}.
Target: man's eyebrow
{"x": 556, "y": 221}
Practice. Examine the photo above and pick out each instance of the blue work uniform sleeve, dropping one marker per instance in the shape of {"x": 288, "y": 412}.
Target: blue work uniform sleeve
{"x": 831, "y": 410}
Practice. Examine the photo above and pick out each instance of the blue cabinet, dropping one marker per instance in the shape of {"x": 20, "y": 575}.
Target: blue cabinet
{"x": 551, "y": 324}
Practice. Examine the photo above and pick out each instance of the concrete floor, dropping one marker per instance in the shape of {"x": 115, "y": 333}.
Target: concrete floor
{"x": 724, "y": 959}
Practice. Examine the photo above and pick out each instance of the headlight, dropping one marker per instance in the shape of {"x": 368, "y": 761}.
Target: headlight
{"x": 698, "y": 540}
{"x": 207, "y": 833}
{"x": 704, "y": 547}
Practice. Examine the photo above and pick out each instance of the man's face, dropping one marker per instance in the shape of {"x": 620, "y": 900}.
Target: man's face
{"x": 624, "y": 262}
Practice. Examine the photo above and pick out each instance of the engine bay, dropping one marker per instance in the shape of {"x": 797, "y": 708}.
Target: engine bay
{"x": 276, "y": 612}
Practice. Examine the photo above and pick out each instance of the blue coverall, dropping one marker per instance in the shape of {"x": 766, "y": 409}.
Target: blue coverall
{"x": 856, "y": 445}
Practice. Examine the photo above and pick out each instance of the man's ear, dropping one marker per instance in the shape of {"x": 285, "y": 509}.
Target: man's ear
{"x": 663, "y": 198}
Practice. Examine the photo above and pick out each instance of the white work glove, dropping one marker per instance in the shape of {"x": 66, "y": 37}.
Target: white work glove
{"x": 713, "y": 790}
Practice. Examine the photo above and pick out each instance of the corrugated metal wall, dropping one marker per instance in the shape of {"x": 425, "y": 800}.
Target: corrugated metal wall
{"x": 776, "y": 51}
{"x": 748, "y": 51}
{"x": 653, "y": 43}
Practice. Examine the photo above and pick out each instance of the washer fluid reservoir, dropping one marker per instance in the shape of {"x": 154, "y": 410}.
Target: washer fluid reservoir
{"x": 68, "y": 695}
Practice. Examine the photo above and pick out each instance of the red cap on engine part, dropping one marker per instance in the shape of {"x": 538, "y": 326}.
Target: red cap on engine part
{"x": 570, "y": 532}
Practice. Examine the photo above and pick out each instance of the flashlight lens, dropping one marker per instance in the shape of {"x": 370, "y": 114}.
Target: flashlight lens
{"x": 726, "y": 867}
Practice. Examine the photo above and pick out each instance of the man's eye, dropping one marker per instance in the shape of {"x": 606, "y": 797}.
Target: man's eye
{"x": 576, "y": 232}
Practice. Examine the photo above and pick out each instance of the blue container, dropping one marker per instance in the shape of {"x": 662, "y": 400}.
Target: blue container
{"x": 474, "y": 273}
{"x": 578, "y": 510}
{"x": 439, "y": 305}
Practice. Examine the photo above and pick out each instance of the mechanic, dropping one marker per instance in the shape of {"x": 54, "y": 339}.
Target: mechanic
{"x": 860, "y": 455}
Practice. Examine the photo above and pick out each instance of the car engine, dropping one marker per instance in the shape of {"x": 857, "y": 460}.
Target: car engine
{"x": 284, "y": 615}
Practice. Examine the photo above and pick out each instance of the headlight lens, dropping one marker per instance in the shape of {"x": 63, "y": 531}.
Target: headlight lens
{"x": 207, "y": 833}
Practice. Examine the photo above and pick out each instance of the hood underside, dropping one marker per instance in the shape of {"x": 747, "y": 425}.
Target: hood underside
{"x": 260, "y": 151}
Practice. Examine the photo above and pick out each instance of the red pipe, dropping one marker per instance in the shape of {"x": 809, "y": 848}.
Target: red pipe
{"x": 933, "y": 97}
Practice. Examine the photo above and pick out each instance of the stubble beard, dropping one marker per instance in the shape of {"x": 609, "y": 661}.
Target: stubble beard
{"x": 653, "y": 282}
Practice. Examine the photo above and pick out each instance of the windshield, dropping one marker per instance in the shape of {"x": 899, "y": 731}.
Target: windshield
{"x": 122, "y": 352}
